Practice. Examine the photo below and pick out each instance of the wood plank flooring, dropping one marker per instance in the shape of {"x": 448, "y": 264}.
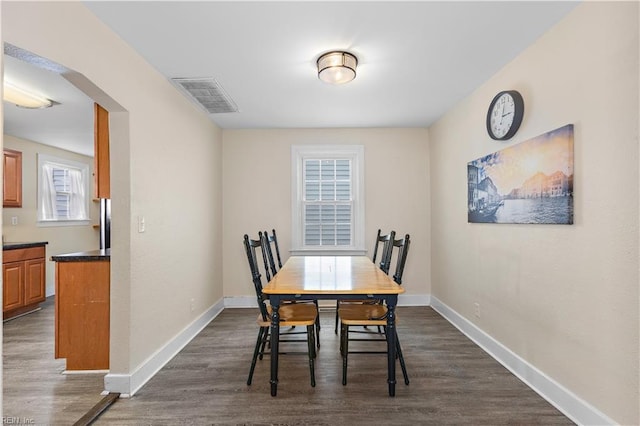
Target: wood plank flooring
{"x": 34, "y": 388}
{"x": 452, "y": 382}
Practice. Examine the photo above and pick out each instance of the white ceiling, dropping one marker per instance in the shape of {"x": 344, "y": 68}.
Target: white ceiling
{"x": 68, "y": 125}
{"x": 416, "y": 59}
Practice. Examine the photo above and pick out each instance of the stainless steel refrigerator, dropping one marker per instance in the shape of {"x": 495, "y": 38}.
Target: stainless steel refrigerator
{"x": 105, "y": 223}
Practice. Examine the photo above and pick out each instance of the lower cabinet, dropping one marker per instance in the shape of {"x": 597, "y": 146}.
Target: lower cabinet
{"x": 24, "y": 277}
{"x": 82, "y": 313}
{"x": 34, "y": 281}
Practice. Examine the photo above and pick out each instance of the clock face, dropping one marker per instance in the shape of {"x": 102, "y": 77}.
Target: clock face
{"x": 505, "y": 115}
{"x": 502, "y": 115}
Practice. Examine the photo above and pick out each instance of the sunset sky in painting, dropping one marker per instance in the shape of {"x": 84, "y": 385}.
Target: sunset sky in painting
{"x": 511, "y": 167}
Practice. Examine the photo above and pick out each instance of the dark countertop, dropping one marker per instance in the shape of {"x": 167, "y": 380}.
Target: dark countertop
{"x": 15, "y": 246}
{"x": 83, "y": 256}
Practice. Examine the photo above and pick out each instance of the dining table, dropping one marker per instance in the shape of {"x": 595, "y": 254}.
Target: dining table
{"x": 332, "y": 278}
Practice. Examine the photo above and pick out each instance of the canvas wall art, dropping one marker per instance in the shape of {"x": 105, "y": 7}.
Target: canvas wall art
{"x": 531, "y": 182}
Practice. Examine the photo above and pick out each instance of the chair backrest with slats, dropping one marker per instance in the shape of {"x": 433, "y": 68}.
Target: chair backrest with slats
{"x": 387, "y": 249}
{"x": 271, "y": 243}
{"x": 403, "y": 250}
{"x": 250, "y": 247}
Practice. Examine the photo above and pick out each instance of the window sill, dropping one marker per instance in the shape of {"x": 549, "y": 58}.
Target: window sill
{"x": 51, "y": 223}
{"x": 328, "y": 252}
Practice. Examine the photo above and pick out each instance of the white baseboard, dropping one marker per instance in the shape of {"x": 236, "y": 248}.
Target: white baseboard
{"x": 575, "y": 408}
{"x": 128, "y": 384}
{"x": 414, "y": 300}
{"x": 241, "y": 302}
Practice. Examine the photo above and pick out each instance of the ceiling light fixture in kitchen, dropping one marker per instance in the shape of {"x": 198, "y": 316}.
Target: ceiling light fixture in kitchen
{"x": 23, "y": 98}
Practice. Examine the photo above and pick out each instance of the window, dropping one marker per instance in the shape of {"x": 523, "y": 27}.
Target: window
{"x": 63, "y": 188}
{"x": 328, "y": 199}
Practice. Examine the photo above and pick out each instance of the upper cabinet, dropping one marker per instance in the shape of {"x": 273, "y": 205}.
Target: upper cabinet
{"x": 101, "y": 176}
{"x": 12, "y": 181}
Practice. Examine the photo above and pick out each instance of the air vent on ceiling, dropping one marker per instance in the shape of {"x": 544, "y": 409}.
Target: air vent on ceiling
{"x": 207, "y": 93}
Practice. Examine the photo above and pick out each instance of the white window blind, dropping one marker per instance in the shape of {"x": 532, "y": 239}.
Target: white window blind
{"x": 327, "y": 202}
{"x": 63, "y": 190}
{"x": 327, "y": 198}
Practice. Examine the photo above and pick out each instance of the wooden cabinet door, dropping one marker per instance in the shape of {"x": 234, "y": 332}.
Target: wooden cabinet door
{"x": 13, "y": 286}
{"x": 101, "y": 167}
{"x": 12, "y": 179}
{"x": 34, "y": 281}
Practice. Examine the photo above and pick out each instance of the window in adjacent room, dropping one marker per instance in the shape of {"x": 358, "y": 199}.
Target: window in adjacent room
{"x": 328, "y": 199}
{"x": 63, "y": 191}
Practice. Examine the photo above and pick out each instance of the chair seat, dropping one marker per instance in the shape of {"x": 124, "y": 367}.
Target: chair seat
{"x": 363, "y": 314}
{"x": 292, "y": 314}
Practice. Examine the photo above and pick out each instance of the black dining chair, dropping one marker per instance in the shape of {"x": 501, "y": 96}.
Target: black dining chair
{"x": 403, "y": 250}
{"x": 271, "y": 245}
{"x": 292, "y": 314}
{"x": 386, "y": 242}
{"x": 372, "y": 315}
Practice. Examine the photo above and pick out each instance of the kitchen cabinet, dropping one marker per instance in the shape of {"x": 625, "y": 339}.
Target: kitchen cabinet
{"x": 24, "y": 278}
{"x": 101, "y": 173}
{"x": 12, "y": 182}
{"x": 82, "y": 309}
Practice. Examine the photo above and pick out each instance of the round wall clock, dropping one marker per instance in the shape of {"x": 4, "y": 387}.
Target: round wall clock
{"x": 505, "y": 115}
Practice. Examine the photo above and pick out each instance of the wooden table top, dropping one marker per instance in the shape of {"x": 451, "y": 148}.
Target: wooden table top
{"x": 331, "y": 275}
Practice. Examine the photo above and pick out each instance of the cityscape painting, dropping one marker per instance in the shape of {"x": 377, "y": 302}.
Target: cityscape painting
{"x": 531, "y": 182}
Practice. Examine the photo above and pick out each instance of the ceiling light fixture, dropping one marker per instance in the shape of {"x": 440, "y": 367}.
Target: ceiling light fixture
{"x": 337, "y": 67}
{"x": 23, "y": 98}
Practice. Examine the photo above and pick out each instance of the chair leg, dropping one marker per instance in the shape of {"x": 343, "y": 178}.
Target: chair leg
{"x": 314, "y": 337}
{"x": 312, "y": 349}
{"x": 401, "y": 358}
{"x": 265, "y": 342}
{"x": 344, "y": 339}
{"x": 255, "y": 356}
{"x": 337, "y": 319}
{"x": 315, "y": 302}
{"x": 317, "y": 324}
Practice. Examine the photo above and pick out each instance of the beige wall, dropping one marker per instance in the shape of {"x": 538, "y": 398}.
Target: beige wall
{"x": 61, "y": 239}
{"x": 563, "y": 297}
{"x": 166, "y": 166}
{"x": 257, "y": 193}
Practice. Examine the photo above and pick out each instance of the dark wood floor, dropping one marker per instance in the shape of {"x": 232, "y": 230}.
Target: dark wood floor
{"x": 452, "y": 381}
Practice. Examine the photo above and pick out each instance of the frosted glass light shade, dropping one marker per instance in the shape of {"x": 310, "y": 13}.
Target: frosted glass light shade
{"x": 22, "y": 98}
{"x": 337, "y": 67}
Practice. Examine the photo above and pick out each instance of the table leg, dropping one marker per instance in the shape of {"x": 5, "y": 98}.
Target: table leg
{"x": 275, "y": 339}
{"x": 391, "y": 345}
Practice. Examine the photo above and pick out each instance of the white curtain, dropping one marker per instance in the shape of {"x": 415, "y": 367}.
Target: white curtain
{"x": 48, "y": 194}
{"x": 77, "y": 207}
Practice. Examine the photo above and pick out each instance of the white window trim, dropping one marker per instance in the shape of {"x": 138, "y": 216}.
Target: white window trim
{"x": 84, "y": 168}
{"x": 356, "y": 154}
